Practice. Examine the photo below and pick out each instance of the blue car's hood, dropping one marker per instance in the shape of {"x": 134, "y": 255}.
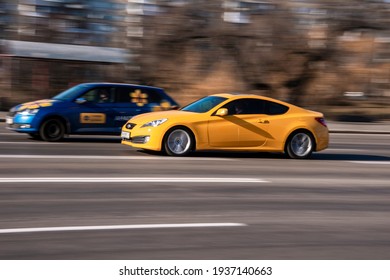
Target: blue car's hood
{"x": 36, "y": 104}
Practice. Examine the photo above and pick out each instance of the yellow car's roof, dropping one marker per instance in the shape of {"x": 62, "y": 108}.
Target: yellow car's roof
{"x": 249, "y": 95}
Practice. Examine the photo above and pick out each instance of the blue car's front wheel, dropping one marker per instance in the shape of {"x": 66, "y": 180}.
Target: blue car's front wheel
{"x": 35, "y": 136}
{"x": 52, "y": 130}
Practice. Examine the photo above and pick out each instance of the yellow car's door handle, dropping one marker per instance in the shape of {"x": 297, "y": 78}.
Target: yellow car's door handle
{"x": 264, "y": 121}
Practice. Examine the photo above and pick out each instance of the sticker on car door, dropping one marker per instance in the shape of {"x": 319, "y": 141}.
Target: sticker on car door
{"x": 93, "y": 118}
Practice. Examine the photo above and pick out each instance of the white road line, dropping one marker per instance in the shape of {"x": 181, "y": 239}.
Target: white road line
{"x": 371, "y": 162}
{"x": 25, "y": 135}
{"x": 129, "y": 180}
{"x": 116, "y": 227}
{"x": 367, "y": 133}
{"x": 343, "y": 150}
{"x": 85, "y": 157}
{"x": 13, "y": 133}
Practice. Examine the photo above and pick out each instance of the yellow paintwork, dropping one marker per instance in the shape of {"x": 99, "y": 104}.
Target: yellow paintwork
{"x": 93, "y": 118}
{"x": 139, "y": 98}
{"x": 250, "y": 132}
{"x": 36, "y": 104}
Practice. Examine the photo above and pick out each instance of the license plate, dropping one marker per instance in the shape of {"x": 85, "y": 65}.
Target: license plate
{"x": 125, "y": 135}
{"x": 9, "y": 120}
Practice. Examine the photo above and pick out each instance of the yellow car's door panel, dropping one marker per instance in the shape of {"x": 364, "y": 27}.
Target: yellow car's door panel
{"x": 223, "y": 131}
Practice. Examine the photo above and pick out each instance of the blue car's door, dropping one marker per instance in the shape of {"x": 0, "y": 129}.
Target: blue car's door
{"x": 129, "y": 101}
{"x": 96, "y": 113}
{"x": 105, "y": 109}
{"x": 135, "y": 100}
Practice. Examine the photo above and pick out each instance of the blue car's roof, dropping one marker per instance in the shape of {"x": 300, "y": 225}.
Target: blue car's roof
{"x": 93, "y": 84}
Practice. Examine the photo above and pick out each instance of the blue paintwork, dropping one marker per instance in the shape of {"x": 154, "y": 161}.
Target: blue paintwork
{"x": 66, "y": 107}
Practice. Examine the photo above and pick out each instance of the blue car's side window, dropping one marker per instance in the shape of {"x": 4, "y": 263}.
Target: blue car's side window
{"x": 100, "y": 95}
{"x": 139, "y": 97}
{"x": 123, "y": 95}
{"x": 90, "y": 96}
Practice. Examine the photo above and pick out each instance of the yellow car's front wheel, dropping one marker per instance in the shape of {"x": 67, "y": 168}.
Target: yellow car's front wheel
{"x": 178, "y": 142}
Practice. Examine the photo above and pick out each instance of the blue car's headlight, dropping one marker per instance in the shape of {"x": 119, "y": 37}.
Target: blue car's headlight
{"x": 154, "y": 123}
{"x": 29, "y": 112}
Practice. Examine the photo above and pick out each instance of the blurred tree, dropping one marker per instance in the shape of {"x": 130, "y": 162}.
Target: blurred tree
{"x": 290, "y": 50}
{"x": 193, "y": 49}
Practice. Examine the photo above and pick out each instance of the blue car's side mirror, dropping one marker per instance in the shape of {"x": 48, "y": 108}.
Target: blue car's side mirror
{"x": 81, "y": 100}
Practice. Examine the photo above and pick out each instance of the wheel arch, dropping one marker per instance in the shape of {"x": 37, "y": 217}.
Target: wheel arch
{"x": 178, "y": 126}
{"x": 297, "y": 130}
{"x": 64, "y": 121}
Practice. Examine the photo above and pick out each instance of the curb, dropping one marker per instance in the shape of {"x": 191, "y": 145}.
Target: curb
{"x": 338, "y": 131}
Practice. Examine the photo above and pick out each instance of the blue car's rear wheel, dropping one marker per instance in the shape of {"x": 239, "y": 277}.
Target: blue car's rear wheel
{"x": 52, "y": 130}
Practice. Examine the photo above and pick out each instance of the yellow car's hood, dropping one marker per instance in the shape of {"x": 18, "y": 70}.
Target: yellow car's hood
{"x": 161, "y": 115}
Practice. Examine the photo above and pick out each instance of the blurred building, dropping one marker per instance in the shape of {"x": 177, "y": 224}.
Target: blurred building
{"x": 49, "y": 45}
{"x": 326, "y": 48}
{"x": 82, "y": 22}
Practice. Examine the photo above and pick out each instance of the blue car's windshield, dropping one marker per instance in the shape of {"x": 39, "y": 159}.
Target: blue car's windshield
{"x": 203, "y": 105}
{"x": 71, "y": 93}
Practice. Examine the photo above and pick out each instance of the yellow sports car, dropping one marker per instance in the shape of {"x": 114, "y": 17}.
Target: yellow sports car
{"x": 232, "y": 122}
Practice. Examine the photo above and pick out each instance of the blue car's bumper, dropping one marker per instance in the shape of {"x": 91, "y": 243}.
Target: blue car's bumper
{"x": 22, "y": 123}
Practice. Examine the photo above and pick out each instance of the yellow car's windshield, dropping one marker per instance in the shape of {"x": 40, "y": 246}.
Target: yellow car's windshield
{"x": 204, "y": 104}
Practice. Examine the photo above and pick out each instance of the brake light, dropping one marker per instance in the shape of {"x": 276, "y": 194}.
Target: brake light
{"x": 321, "y": 121}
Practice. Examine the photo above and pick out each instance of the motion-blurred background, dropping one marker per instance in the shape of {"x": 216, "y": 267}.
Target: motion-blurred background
{"x": 332, "y": 56}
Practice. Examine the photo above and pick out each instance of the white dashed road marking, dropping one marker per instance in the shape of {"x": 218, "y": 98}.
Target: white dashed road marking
{"x": 118, "y": 227}
{"x": 129, "y": 180}
{"x": 372, "y": 162}
{"x": 85, "y": 157}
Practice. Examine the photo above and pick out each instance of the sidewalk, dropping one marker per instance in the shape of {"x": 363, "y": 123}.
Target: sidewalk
{"x": 359, "y": 127}
{"x": 334, "y": 127}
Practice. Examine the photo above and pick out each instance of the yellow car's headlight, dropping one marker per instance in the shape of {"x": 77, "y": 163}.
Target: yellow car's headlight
{"x": 154, "y": 123}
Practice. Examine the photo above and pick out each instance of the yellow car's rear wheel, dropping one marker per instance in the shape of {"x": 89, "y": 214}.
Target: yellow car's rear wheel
{"x": 300, "y": 145}
{"x": 178, "y": 142}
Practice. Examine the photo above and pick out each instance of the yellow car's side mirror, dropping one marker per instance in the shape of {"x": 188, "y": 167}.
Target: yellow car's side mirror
{"x": 222, "y": 112}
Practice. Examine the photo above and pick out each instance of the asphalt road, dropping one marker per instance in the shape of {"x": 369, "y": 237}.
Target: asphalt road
{"x": 92, "y": 198}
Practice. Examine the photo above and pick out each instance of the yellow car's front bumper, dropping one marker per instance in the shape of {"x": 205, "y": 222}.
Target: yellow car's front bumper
{"x": 148, "y": 138}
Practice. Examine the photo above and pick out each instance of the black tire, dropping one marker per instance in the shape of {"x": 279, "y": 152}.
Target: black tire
{"x": 35, "y": 136}
{"x": 178, "y": 142}
{"x": 52, "y": 130}
{"x": 300, "y": 145}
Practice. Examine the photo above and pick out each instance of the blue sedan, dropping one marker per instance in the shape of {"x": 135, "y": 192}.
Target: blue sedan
{"x": 91, "y": 108}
